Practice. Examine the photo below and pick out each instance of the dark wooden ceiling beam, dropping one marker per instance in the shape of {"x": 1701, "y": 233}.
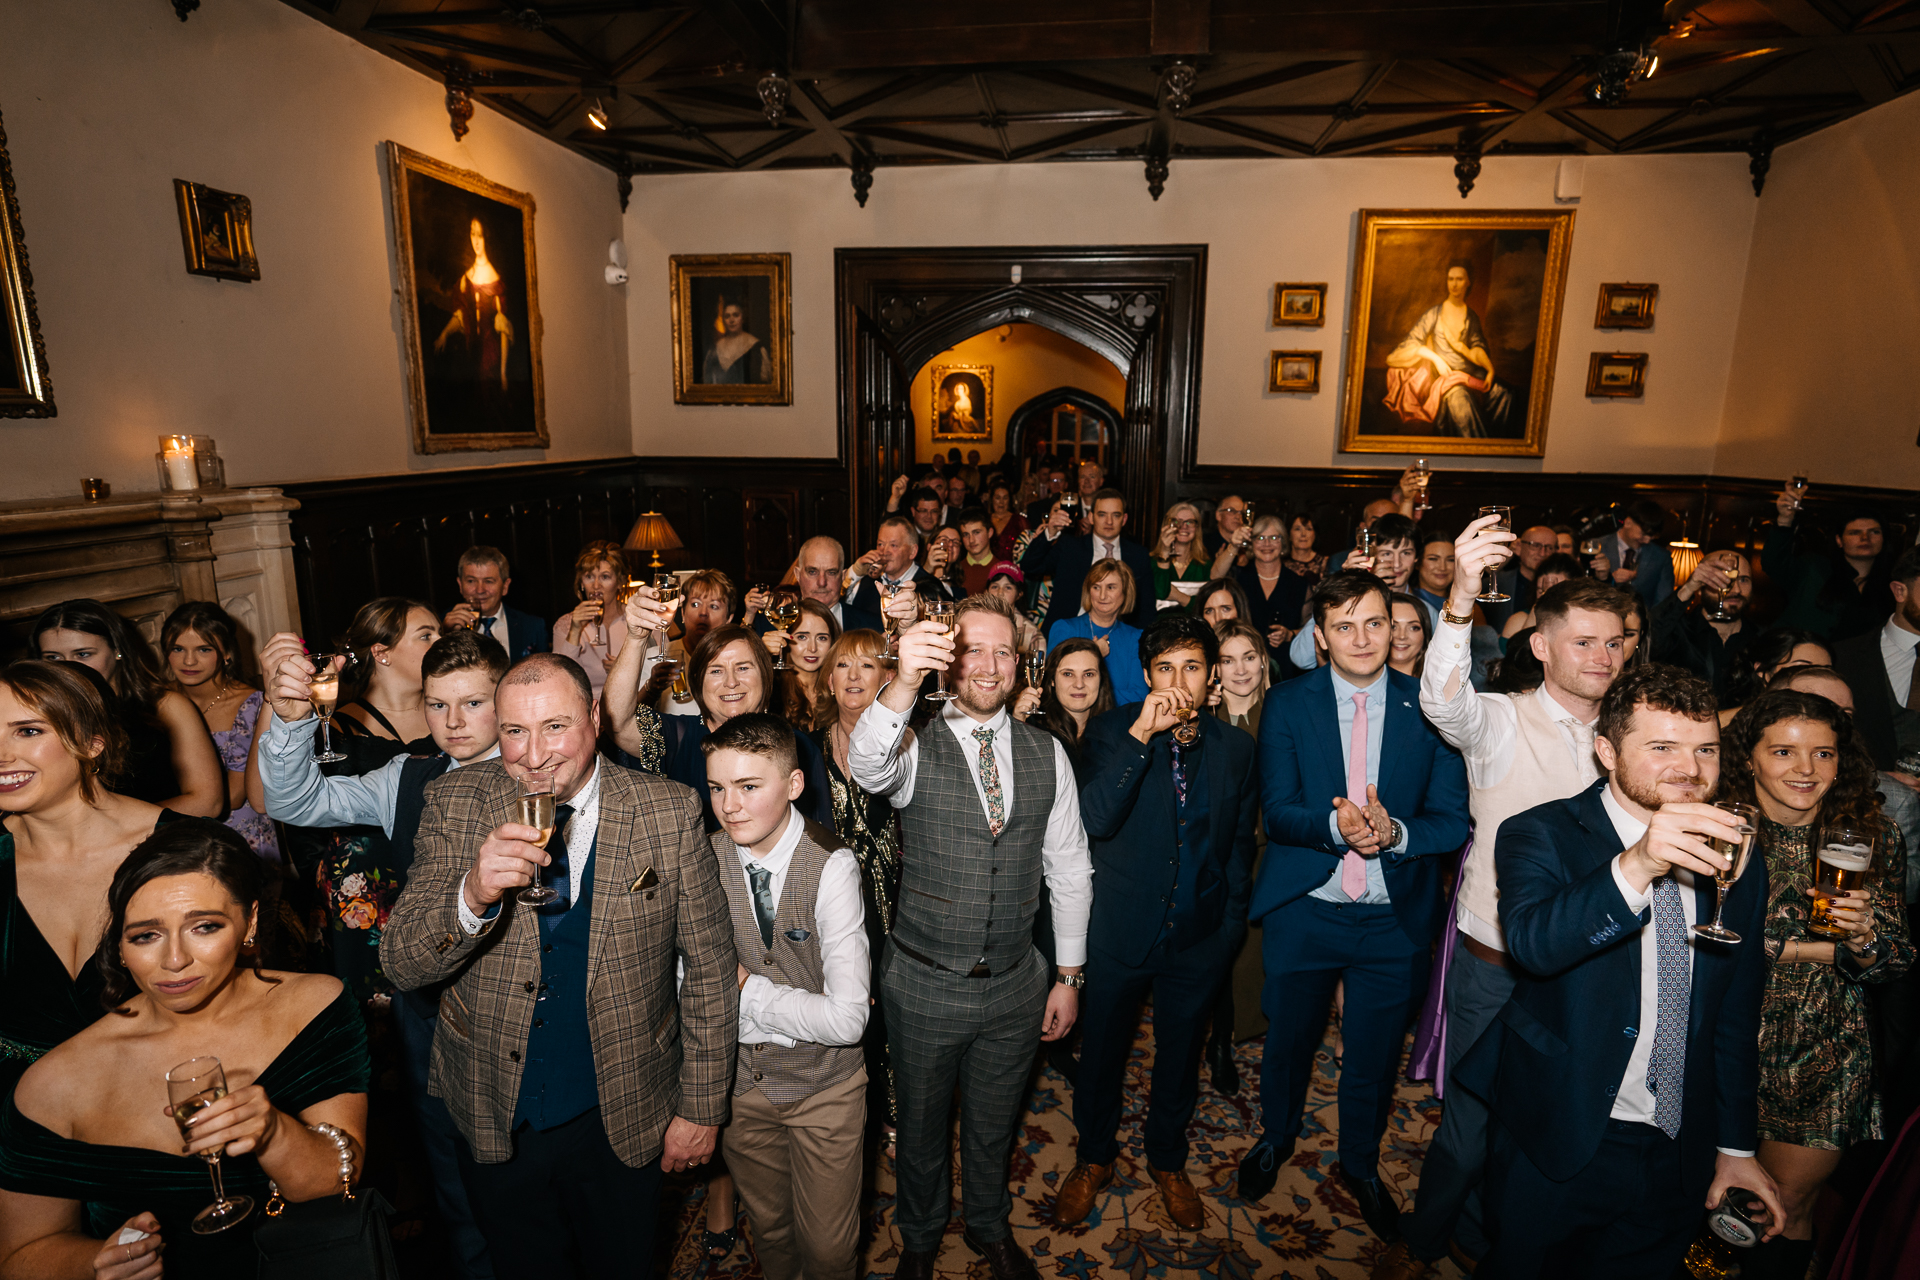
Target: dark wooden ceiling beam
{"x": 1744, "y": 128}
{"x": 963, "y": 150}
{"x": 1592, "y": 133}
{"x": 509, "y": 17}
{"x": 1858, "y": 61}
{"x": 1223, "y": 95}
{"x": 686, "y": 159}
{"x": 992, "y": 118}
{"x": 507, "y": 54}
{"x": 1270, "y": 143}
{"x": 1101, "y": 116}
{"x": 647, "y": 57}
{"x": 1642, "y": 136}
{"x": 764, "y": 154}
{"x": 1434, "y": 108}
{"x": 1092, "y": 88}
{"x": 690, "y": 131}
{"x": 1353, "y": 108}
{"x": 1076, "y": 139}
{"x": 1382, "y": 137}
{"x": 1553, "y": 94}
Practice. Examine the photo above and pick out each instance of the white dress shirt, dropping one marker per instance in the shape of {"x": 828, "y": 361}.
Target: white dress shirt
{"x": 1897, "y": 652}
{"x": 299, "y": 795}
{"x": 1484, "y": 728}
{"x": 774, "y": 1014}
{"x": 884, "y": 759}
{"x": 581, "y": 829}
{"x": 499, "y": 634}
{"x": 1634, "y": 1103}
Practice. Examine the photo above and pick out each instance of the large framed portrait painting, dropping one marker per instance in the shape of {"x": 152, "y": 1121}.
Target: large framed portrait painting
{"x": 25, "y": 390}
{"x": 962, "y": 407}
{"x": 732, "y": 328}
{"x": 1456, "y": 321}
{"x": 470, "y": 301}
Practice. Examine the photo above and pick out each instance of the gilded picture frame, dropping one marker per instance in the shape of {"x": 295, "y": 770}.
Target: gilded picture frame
{"x": 960, "y": 402}
{"x": 470, "y": 307}
{"x": 1429, "y": 372}
{"x": 1626, "y": 306}
{"x": 1299, "y": 305}
{"x": 216, "y": 231}
{"x": 732, "y": 328}
{"x": 1294, "y": 371}
{"x": 1617, "y": 374}
{"x": 26, "y": 390}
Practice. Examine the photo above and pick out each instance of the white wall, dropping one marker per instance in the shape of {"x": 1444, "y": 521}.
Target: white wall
{"x": 298, "y": 375}
{"x": 1681, "y": 221}
{"x": 1829, "y": 329}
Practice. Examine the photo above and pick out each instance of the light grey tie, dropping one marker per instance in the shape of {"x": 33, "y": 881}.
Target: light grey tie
{"x": 762, "y": 881}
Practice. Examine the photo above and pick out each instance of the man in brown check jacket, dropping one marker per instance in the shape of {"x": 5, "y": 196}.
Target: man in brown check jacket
{"x": 574, "y": 1071}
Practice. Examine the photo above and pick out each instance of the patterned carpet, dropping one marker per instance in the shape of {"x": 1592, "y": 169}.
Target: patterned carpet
{"x": 1308, "y": 1228}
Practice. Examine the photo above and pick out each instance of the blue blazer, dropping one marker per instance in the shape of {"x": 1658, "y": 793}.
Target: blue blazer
{"x": 1552, "y": 1060}
{"x": 1068, "y": 557}
{"x": 1653, "y": 577}
{"x": 530, "y": 635}
{"x": 1423, "y": 783}
{"x": 1133, "y": 822}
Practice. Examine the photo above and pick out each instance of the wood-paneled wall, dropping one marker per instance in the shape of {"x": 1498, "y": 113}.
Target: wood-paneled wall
{"x": 402, "y": 534}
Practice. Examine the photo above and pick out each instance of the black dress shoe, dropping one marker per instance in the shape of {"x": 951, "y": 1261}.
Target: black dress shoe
{"x": 916, "y": 1264}
{"x": 1259, "y": 1170}
{"x": 1223, "y": 1070}
{"x": 1005, "y": 1259}
{"x": 1376, "y": 1205}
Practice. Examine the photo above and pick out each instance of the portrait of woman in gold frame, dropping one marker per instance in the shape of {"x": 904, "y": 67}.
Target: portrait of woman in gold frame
{"x": 1456, "y": 321}
{"x": 732, "y": 328}
{"x": 25, "y": 391}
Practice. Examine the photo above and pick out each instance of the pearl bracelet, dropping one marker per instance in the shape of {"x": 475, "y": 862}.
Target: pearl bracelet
{"x": 342, "y": 1144}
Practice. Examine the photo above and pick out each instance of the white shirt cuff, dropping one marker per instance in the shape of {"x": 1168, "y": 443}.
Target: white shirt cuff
{"x": 1636, "y": 899}
{"x": 470, "y": 922}
{"x": 1729, "y": 1151}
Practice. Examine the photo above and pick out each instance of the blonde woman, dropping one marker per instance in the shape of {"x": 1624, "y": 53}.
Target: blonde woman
{"x": 592, "y": 635}
{"x": 1180, "y": 555}
{"x": 1106, "y": 599}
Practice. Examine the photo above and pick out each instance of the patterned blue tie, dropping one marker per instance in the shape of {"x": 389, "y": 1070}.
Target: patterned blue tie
{"x": 1179, "y": 775}
{"x": 1667, "y": 1069}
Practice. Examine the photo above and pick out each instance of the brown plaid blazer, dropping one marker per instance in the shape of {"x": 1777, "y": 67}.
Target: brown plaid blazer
{"x": 656, "y": 895}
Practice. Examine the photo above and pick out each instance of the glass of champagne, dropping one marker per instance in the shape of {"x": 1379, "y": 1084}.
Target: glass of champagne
{"x": 1589, "y": 548}
{"x": 1746, "y": 818}
{"x": 1035, "y": 667}
{"x": 941, "y": 612}
{"x": 599, "y": 633}
{"x": 891, "y": 624}
{"x": 784, "y": 615}
{"x": 192, "y": 1087}
{"x": 1843, "y": 861}
{"x": 1797, "y": 489}
{"x": 1422, "y": 477}
{"x": 323, "y": 691}
{"x": 1490, "y": 591}
{"x": 535, "y": 809}
{"x": 1187, "y": 726}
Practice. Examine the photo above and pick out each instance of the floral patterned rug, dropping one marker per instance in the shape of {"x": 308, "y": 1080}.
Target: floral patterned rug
{"x": 1308, "y": 1228}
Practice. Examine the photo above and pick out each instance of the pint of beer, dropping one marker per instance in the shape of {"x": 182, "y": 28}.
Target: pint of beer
{"x": 1844, "y": 857}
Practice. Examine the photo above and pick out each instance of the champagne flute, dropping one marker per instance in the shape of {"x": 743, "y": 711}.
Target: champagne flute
{"x": 1797, "y": 489}
{"x": 941, "y": 612}
{"x": 1490, "y": 591}
{"x": 1035, "y": 667}
{"x": 784, "y": 615}
{"x": 1746, "y": 817}
{"x": 1187, "y": 726}
{"x": 1589, "y": 548}
{"x": 536, "y": 809}
{"x": 192, "y": 1087}
{"x": 1422, "y": 477}
{"x": 585, "y": 594}
{"x": 889, "y": 623}
{"x": 323, "y": 691}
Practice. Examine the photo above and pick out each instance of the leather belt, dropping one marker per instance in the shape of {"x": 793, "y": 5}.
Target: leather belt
{"x": 1482, "y": 952}
{"x": 978, "y": 971}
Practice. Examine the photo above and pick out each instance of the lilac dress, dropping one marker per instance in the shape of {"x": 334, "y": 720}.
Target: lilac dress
{"x": 233, "y": 745}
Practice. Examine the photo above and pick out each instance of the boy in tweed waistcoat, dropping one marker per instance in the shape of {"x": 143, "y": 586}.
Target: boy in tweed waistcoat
{"x": 800, "y": 1084}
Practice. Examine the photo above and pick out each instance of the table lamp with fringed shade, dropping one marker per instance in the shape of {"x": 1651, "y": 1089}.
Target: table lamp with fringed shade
{"x": 651, "y": 532}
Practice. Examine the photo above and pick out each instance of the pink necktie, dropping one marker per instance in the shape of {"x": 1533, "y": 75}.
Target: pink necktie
{"x": 1353, "y": 867}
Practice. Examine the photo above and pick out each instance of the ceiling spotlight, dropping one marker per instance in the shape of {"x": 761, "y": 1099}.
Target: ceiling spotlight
{"x": 598, "y": 116}
{"x": 1617, "y": 70}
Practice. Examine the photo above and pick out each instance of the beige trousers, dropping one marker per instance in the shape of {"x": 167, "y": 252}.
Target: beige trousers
{"x": 797, "y": 1167}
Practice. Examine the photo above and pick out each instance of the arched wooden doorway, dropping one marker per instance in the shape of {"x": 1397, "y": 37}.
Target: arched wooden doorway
{"x": 1139, "y": 307}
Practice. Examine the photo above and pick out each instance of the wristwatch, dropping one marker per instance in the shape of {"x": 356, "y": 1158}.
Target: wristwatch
{"x": 1396, "y": 831}
{"x": 1074, "y": 980}
{"x": 1447, "y": 615}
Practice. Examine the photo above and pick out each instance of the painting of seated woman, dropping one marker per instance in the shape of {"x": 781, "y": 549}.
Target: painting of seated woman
{"x": 732, "y": 338}
{"x": 1458, "y": 314}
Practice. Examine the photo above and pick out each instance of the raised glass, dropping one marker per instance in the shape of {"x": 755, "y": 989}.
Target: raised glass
{"x": 323, "y": 691}
{"x": 941, "y": 613}
{"x": 1746, "y": 818}
{"x": 536, "y": 809}
{"x": 1843, "y": 862}
{"x": 192, "y": 1087}
{"x": 784, "y": 615}
{"x": 1490, "y": 592}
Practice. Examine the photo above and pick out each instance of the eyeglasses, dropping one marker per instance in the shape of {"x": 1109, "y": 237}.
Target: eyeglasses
{"x": 1540, "y": 546}
{"x": 1233, "y": 511}
{"x": 1268, "y": 537}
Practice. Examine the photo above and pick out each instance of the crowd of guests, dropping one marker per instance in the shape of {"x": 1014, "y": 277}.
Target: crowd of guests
{"x": 663, "y": 888}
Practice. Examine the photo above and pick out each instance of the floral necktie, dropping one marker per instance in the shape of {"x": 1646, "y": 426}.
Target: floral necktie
{"x": 990, "y": 781}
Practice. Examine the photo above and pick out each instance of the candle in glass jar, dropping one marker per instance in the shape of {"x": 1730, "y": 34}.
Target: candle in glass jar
{"x": 176, "y": 455}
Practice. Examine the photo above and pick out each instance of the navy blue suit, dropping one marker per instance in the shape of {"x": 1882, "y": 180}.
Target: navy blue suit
{"x": 865, "y": 599}
{"x": 529, "y": 634}
{"x": 1381, "y": 950}
{"x": 1169, "y": 916}
{"x": 1553, "y": 1060}
{"x": 1068, "y": 557}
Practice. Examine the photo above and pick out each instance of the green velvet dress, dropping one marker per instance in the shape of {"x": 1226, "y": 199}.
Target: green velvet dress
{"x": 1816, "y": 1053}
{"x": 328, "y": 1058}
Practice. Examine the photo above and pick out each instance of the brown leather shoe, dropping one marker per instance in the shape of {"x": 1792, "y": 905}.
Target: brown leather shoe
{"x": 1183, "y": 1202}
{"x": 1077, "y": 1193}
{"x": 1399, "y": 1263}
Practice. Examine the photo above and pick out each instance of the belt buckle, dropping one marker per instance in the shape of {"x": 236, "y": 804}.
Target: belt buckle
{"x": 980, "y": 971}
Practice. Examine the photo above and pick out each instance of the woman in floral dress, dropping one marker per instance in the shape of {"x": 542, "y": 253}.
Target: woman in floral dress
{"x": 1797, "y": 757}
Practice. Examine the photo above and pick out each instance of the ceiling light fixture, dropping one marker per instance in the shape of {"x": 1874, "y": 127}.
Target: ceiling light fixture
{"x": 598, "y": 116}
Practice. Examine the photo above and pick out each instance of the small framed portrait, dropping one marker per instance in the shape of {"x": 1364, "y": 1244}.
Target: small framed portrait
{"x": 470, "y": 302}
{"x": 1294, "y": 371}
{"x": 1301, "y": 305}
{"x": 962, "y": 406}
{"x": 732, "y": 328}
{"x": 216, "y": 230}
{"x": 25, "y": 391}
{"x": 1618, "y": 374}
{"x": 1626, "y": 306}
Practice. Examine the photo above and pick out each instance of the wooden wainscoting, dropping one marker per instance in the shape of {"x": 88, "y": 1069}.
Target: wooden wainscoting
{"x": 402, "y": 534}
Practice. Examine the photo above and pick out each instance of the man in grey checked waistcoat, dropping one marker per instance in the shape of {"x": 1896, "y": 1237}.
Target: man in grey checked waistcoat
{"x": 989, "y": 809}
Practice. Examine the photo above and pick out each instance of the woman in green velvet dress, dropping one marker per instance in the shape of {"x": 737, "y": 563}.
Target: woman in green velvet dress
{"x": 95, "y": 1178}
{"x": 1797, "y": 757}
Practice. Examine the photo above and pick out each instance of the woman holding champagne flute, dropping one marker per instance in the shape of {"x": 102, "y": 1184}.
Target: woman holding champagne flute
{"x": 98, "y": 1173}
{"x": 806, "y": 644}
{"x": 592, "y": 635}
{"x": 1797, "y": 758}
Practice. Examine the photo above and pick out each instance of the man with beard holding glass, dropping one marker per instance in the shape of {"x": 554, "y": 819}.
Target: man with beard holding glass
{"x": 1696, "y": 639}
{"x": 966, "y": 995}
{"x": 1623, "y": 1074}
{"x": 574, "y": 1072}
